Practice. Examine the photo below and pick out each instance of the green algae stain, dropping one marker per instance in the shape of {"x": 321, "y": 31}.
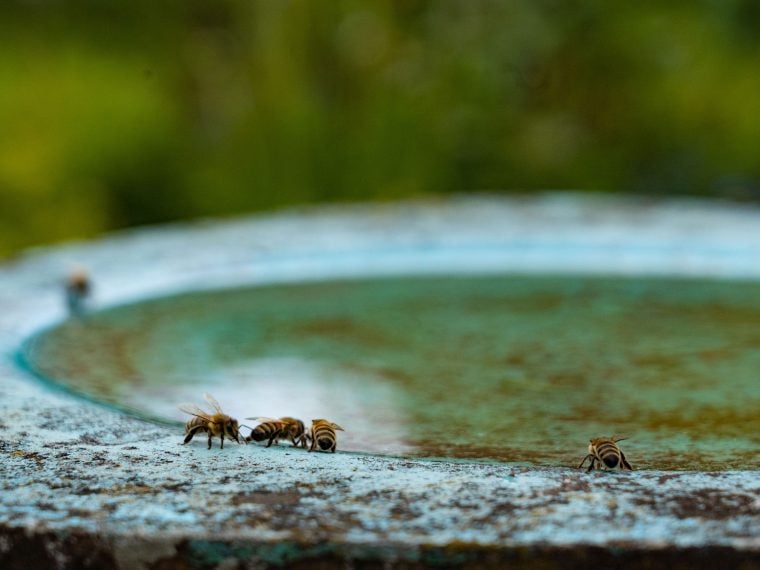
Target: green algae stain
{"x": 509, "y": 368}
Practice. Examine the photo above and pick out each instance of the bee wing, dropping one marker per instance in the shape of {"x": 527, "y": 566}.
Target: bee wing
{"x": 336, "y": 426}
{"x": 617, "y": 438}
{"x": 213, "y": 403}
{"x": 262, "y": 419}
{"x": 194, "y": 410}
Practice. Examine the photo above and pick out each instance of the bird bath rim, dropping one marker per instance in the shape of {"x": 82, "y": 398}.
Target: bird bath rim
{"x": 62, "y": 476}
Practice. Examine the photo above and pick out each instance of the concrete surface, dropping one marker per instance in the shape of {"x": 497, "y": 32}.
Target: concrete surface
{"x": 83, "y": 486}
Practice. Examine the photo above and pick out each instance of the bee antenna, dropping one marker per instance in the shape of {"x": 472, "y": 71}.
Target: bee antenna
{"x": 245, "y": 426}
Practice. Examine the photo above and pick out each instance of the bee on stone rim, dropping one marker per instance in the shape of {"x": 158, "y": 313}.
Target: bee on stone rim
{"x": 215, "y": 424}
{"x": 605, "y": 452}
{"x": 275, "y": 429}
{"x": 322, "y": 435}
{"x": 294, "y": 431}
{"x": 78, "y": 289}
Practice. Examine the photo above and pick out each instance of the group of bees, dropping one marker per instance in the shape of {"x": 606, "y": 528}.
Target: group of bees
{"x": 603, "y": 452}
{"x": 320, "y": 436}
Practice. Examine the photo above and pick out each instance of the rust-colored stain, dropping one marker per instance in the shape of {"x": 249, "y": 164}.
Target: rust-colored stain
{"x": 267, "y": 498}
{"x": 344, "y": 330}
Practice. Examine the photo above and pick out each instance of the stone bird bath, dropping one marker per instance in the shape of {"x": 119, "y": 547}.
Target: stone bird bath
{"x": 468, "y": 346}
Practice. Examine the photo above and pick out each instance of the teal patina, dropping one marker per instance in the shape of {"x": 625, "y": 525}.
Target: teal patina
{"x": 511, "y": 368}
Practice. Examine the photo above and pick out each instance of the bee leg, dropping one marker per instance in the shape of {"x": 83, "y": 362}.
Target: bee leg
{"x": 189, "y": 436}
{"x": 591, "y": 465}
{"x": 584, "y": 460}
{"x": 209, "y": 440}
{"x": 222, "y": 441}
{"x": 271, "y": 439}
{"x": 624, "y": 462}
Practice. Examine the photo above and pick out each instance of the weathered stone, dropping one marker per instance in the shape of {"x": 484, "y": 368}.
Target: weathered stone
{"x": 83, "y": 486}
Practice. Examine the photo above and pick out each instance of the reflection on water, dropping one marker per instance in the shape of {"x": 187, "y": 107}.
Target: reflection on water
{"x": 519, "y": 369}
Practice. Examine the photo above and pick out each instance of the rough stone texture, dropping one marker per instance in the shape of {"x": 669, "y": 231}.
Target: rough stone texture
{"x": 83, "y": 486}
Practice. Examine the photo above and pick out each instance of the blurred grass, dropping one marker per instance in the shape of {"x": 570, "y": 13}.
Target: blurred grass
{"x": 114, "y": 115}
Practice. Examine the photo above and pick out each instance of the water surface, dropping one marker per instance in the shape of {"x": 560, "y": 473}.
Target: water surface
{"x": 509, "y": 368}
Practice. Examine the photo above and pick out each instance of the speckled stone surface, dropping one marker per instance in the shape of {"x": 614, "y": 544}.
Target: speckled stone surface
{"x": 83, "y": 486}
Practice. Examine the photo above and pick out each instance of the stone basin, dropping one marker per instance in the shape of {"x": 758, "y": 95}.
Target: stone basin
{"x": 101, "y": 485}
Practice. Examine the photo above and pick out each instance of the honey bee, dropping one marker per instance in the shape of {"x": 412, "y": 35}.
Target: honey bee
{"x": 217, "y": 423}
{"x": 604, "y": 451}
{"x": 78, "y": 288}
{"x": 322, "y": 434}
{"x": 272, "y": 430}
{"x": 268, "y": 428}
{"x": 294, "y": 430}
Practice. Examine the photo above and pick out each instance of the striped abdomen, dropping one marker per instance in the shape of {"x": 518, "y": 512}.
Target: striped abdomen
{"x": 266, "y": 430}
{"x": 196, "y": 424}
{"x": 607, "y": 452}
{"x": 323, "y": 435}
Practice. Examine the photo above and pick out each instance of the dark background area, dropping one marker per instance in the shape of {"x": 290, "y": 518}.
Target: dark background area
{"x": 121, "y": 114}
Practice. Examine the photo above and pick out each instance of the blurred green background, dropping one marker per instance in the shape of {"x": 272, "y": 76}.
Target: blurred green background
{"x": 121, "y": 114}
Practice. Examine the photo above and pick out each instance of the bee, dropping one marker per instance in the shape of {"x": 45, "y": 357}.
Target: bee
{"x": 294, "y": 430}
{"x": 322, "y": 434}
{"x": 605, "y": 452}
{"x": 217, "y": 423}
{"x": 272, "y": 430}
{"x": 268, "y": 428}
{"x": 78, "y": 288}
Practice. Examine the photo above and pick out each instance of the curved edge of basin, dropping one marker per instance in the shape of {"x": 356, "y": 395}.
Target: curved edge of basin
{"x": 83, "y": 484}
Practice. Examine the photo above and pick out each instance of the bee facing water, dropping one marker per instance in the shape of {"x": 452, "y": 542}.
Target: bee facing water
{"x": 605, "y": 451}
{"x": 215, "y": 424}
{"x": 322, "y": 435}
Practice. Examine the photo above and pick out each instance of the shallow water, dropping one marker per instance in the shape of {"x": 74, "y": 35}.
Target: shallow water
{"x": 509, "y": 368}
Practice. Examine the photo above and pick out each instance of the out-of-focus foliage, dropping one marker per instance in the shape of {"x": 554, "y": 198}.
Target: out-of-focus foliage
{"x": 121, "y": 113}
